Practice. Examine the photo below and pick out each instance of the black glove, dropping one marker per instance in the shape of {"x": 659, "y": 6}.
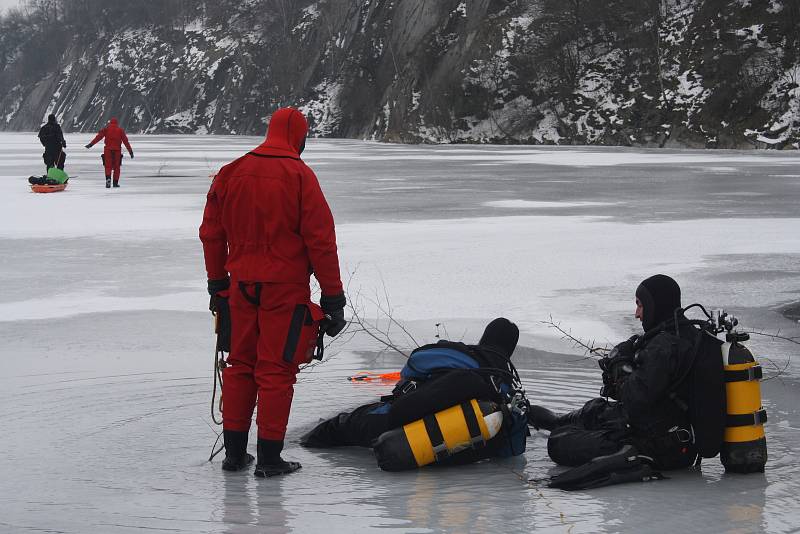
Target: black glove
{"x": 64, "y": 144}
{"x": 333, "y": 307}
{"x": 131, "y": 153}
{"x": 624, "y": 350}
{"x": 89, "y": 145}
{"x": 222, "y": 326}
{"x": 617, "y": 366}
{"x": 218, "y": 305}
{"x": 214, "y": 287}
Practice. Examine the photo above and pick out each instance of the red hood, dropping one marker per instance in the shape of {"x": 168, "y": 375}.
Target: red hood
{"x": 286, "y": 133}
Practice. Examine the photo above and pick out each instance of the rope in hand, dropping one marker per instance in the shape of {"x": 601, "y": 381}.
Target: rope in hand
{"x": 219, "y": 364}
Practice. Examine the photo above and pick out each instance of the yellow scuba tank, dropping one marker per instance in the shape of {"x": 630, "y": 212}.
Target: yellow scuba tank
{"x": 438, "y": 436}
{"x": 745, "y": 446}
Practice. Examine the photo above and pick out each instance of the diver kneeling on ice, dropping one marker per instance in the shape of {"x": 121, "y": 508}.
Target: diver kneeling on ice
{"x": 648, "y": 426}
{"x": 454, "y": 404}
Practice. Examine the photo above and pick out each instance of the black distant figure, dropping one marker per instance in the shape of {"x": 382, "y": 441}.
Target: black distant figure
{"x": 52, "y": 139}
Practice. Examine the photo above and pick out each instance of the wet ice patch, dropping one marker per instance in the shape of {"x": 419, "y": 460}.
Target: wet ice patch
{"x": 524, "y": 204}
{"x": 557, "y": 156}
{"x": 720, "y": 169}
{"x": 402, "y": 188}
{"x": 739, "y": 194}
{"x": 66, "y": 305}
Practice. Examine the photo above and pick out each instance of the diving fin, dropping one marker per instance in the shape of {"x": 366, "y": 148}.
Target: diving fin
{"x": 625, "y": 465}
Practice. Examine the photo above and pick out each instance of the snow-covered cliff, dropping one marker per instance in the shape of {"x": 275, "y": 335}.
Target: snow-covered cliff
{"x": 648, "y": 72}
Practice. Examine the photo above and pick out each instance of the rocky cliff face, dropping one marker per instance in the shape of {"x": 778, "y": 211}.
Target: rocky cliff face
{"x": 651, "y": 72}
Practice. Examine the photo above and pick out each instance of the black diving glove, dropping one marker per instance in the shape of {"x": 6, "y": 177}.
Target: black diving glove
{"x": 333, "y": 307}
{"x": 214, "y": 287}
{"x": 219, "y": 306}
{"x": 222, "y": 325}
{"x": 617, "y": 366}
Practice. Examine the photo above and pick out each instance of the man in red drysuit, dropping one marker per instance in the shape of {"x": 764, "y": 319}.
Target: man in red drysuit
{"x": 266, "y": 228}
{"x": 112, "y": 153}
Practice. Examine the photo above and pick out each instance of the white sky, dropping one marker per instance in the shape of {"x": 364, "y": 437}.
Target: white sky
{"x": 5, "y": 4}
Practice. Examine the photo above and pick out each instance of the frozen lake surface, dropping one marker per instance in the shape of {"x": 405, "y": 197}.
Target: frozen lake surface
{"x": 107, "y": 347}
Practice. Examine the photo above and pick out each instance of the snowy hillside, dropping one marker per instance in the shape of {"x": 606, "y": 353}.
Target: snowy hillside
{"x": 702, "y": 73}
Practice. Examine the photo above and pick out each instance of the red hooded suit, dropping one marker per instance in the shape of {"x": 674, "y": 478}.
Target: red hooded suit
{"x": 268, "y": 225}
{"x": 112, "y": 153}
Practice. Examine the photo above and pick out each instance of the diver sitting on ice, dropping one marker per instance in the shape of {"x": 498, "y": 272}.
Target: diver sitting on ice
{"x": 640, "y": 374}
{"x": 644, "y": 414}
{"x": 669, "y": 406}
{"x": 454, "y": 404}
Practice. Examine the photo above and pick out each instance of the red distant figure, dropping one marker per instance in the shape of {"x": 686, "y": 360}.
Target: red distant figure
{"x": 112, "y": 153}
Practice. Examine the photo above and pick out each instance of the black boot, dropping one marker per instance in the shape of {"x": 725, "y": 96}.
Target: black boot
{"x": 330, "y": 433}
{"x": 270, "y": 463}
{"x": 541, "y": 418}
{"x": 116, "y": 184}
{"x": 108, "y": 182}
{"x": 236, "y": 457}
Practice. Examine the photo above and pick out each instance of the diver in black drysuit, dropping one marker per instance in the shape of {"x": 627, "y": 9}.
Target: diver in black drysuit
{"x": 414, "y": 398}
{"x": 644, "y": 375}
{"x": 52, "y": 139}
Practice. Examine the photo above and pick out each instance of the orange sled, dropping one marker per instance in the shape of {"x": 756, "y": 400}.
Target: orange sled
{"x": 48, "y": 188}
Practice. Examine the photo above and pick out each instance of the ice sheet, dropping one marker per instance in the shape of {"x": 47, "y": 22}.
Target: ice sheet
{"x": 107, "y": 344}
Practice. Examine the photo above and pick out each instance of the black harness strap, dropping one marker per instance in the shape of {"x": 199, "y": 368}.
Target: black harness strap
{"x": 471, "y": 418}
{"x": 295, "y": 328}
{"x": 744, "y": 375}
{"x": 759, "y": 417}
{"x": 252, "y": 299}
{"x": 673, "y": 396}
{"x": 440, "y": 451}
{"x": 673, "y": 392}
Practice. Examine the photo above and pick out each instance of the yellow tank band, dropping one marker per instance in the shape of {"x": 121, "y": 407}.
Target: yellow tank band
{"x": 740, "y": 366}
{"x": 743, "y": 397}
{"x": 736, "y": 434}
{"x": 419, "y": 442}
{"x": 481, "y": 420}
{"x": 454, "y": 429}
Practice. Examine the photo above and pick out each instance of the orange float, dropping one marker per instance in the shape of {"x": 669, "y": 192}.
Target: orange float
{"x": 36, "y": 188}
